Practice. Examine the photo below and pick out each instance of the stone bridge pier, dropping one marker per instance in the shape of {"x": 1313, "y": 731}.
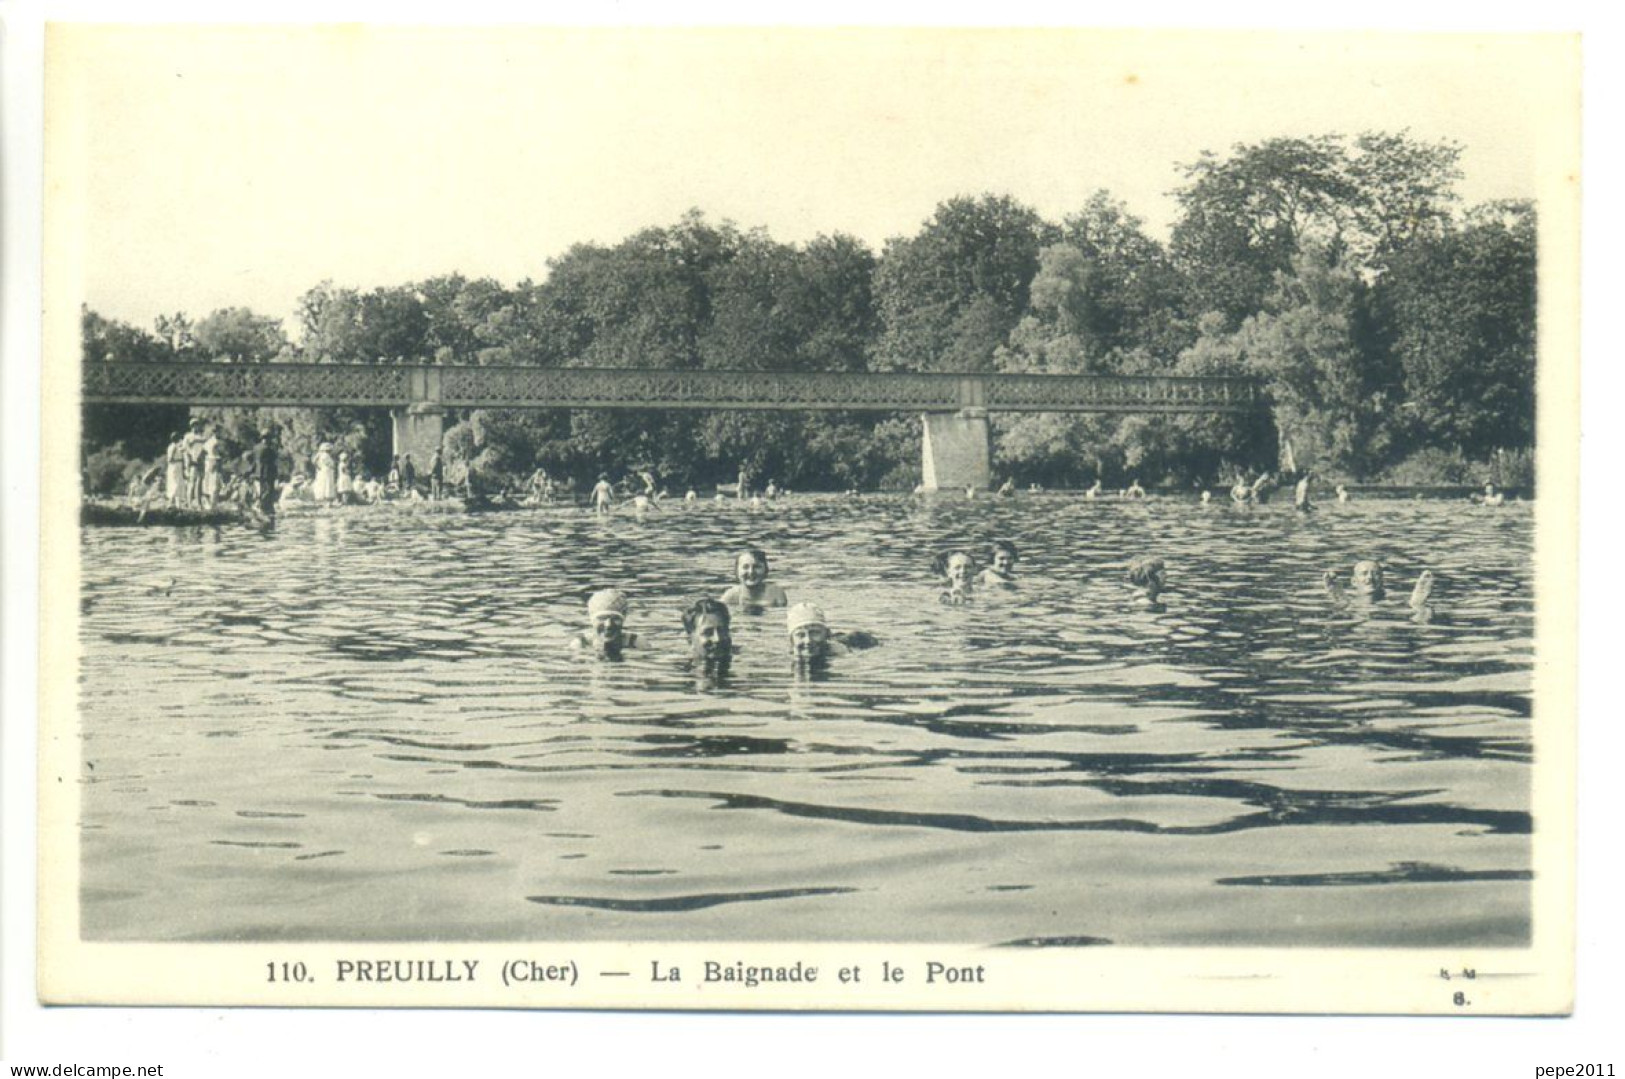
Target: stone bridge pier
{"x": 956, "y": 451}
{"x": 419, "y": 428}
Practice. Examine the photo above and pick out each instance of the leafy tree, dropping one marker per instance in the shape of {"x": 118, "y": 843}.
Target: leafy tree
{"x": 237, "y": 335}
{"x": 1315, "y": 349}
{"x": 1245, "y": 218}
{"x": 1463, "y": 310}
{"x": 949, "y": 296}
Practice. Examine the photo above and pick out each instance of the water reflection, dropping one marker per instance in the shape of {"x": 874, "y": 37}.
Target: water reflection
{"x": 305, "y": 723}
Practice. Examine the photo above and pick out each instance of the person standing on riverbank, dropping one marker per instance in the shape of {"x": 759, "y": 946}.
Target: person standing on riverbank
{"x": 409, "y": 477}
{"x": 437, "y": 476}
{"x": 175, "y": 470}
{"x": 192, "y": 452}
{"x": 602, "y": 494}
{"x": 265, "y": 471}
{"x": 211, "y": 469}
{"x": 325, "y": 486}
{"x": 344, "y": 485}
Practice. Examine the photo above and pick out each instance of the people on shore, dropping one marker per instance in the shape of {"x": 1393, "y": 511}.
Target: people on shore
{"x": 175, "y": 470}
{"x": 211, "y": 469}
{"x": 1001, "y": 569}
{"x": 193, "y": 453}
{"x": 265, "y": 460}
{"x": 344, "y": 485}
{"x": 437, "y": 476}
{"x": 409, "y": 477}
{"x": 324, "y": 488}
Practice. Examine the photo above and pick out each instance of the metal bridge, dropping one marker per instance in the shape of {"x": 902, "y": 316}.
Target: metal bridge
{"x": 400, "y": 386}
{"x": 956, "y": 450}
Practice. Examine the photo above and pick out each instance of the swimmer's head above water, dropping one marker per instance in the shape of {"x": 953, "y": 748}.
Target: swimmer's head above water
{"x": 706, "y": 622}
{"x": 750, "y": 567}
{"x": 607, "y": 611}
{"x": 1149, "y": 575}
{"x": 1366, "y": 580}
{"x": 958, "y": 569}
{"x": 1002, "y": 558}
{"x": 808, "y": 633}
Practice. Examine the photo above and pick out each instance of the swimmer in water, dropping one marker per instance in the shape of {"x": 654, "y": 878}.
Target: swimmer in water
{"x": 710, "y": 639}
{"x": 811, "y": 644}
{"x": 958, "y": 571}
{"x": 1207, "y": 496}
{"x": 608, "y": 638}
{"x": 1093, "y": 491}
{"x": 1492, "y": 497}
{"x": 1342, "y": 493}
{"x": 1001, "y": 572}
{"x": 754, "y": 591}
{"x": 1150, "y": 576}
{"x": 1300, "y": 494}
{"x": 1365, "y": 583}
{"x": 1134, "y": 490}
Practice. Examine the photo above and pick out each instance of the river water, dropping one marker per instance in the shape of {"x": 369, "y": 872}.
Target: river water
{"x": 366, "y": 725}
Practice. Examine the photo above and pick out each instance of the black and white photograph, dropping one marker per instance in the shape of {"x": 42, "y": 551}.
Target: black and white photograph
{"x": 840, "y": 519}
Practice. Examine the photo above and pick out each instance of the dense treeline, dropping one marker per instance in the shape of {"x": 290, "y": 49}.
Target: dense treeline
{"x": 1394, "y": 330}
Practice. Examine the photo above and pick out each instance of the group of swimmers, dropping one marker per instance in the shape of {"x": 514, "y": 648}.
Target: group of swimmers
{"x": 707, "y": 622}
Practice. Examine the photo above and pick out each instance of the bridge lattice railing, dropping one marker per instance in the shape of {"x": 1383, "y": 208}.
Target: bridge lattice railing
{"x": 576, "y": 387}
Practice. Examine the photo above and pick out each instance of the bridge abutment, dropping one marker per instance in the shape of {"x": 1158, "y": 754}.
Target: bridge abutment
{"x": 418, "y": 430}
{"x": 955, "y": 450}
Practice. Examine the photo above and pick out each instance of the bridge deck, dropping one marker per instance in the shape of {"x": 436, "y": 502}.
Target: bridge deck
{"x": 400, "y": 386}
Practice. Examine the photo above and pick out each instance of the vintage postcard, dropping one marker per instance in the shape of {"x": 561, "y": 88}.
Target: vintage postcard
{"x": 826, "y": 519}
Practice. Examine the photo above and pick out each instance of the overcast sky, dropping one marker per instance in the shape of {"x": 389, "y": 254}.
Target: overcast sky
{"x": 198, "y": 169}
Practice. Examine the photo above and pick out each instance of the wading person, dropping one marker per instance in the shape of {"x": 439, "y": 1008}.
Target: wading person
{"x": 602, "y": 494}
{"x": 437, "y": 476}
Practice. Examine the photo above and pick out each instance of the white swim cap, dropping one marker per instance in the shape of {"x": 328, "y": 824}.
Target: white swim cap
{"x": 803, "y": 614}
{"x": 610, "y": 599}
